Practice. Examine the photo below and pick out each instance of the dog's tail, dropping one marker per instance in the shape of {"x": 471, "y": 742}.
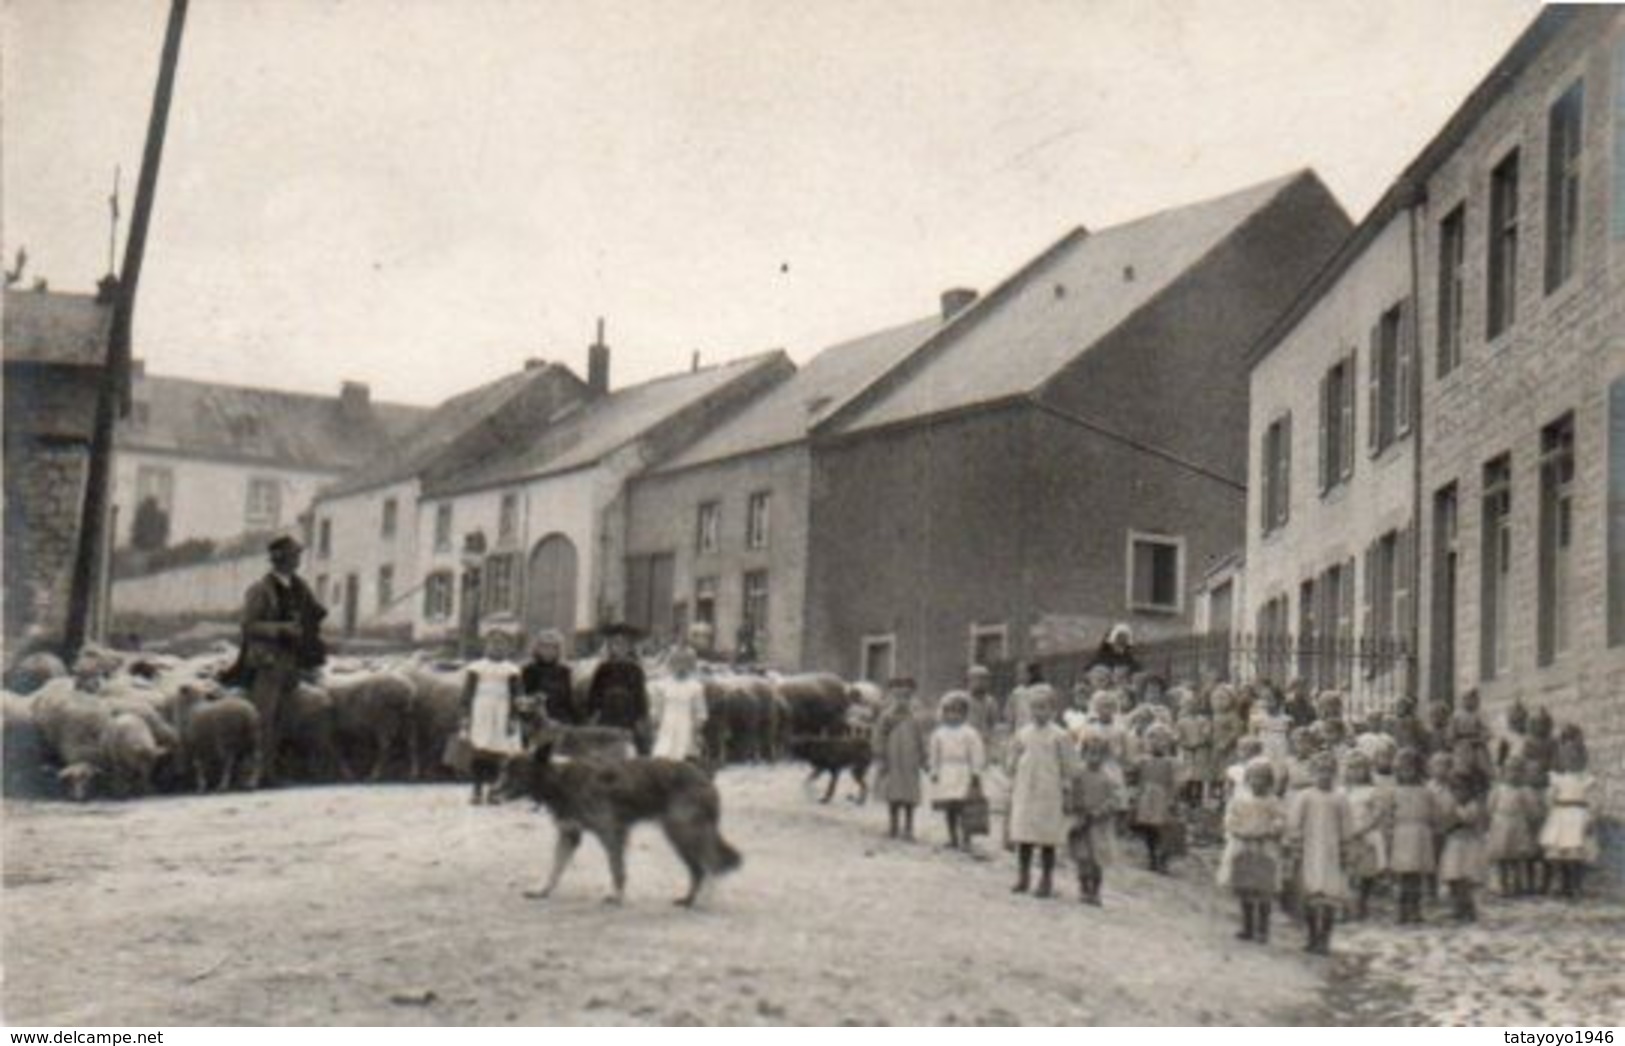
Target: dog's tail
{"x": 724, "y": 858}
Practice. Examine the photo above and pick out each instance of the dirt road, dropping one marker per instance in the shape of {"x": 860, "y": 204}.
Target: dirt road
{"x": 401, "y": 905}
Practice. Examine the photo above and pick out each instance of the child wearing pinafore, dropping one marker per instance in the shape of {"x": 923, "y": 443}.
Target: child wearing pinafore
{"x": 1041, "y": 761}
{"x": 490, "y": 688}
{"x": 1253, "y": 824}
{"x": 1566, "y": 838}
{"x": 1154, "y": 808}
{"x": 1411, "y": 857}
{"x": 1461, "y": 862}
{"x": 1515, "y": 815}
{"x": 1372, "y": 811}
{"x": 1318, "y": 828}
{"x": 956, "y": 759}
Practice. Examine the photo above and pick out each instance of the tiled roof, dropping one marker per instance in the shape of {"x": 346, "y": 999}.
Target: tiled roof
{"x": 788, "y": 412}
{"x": 1055, "y": 308}
{"x": 48, "y": 327}
{"x": 295, "y": 429}
{"x": 585, "y": 433}
{"x": 440, "y": 437}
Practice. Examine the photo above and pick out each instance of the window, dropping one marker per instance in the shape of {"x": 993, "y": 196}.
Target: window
{"x": 1272, "y": 641}
{"x": 442, "y": 527}
{"x": 754, "y": 615}
{"x": 1308, "y": 632}
{"x": 1388, "y": 380}
{"x": 1452, "y": 264}
{"x": 437, "y": 596}
{"x": 1335, "y": 617}
{"x": 1156, "y": 573}
{"x": 386, "y": 526}
{"x": 1337, "y": 424}
{"x": 1556, "y": 538}
{"x": 1276, "y": 473}
{"x": 499, "y": 584}
{"x": 879, "y": 658}
{"x": 1503, "y": 274}
{"x": 508, "y": 520}
{"x": 1497, "y": 567}
{"x": 1446, "y": 526}
{"x": 1381, "y": 579}
{"x": 321, "y": 588}
{"x": 324, "y": 538}
{"x": 989, "y": 644}
{"x": 756, "y": 520}
{"x": 264, "y": 504}
{"x": 1616, "y": 510}
{"x": 386, "y": 586}
{"x": 708, "y": 531}
{"x": 1563, "y": 138}
{"x": 158, "y": 483}
{"x": 705, "y": 600}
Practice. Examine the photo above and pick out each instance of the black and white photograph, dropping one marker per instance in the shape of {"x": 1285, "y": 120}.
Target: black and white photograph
{"x": 813, "y": 513}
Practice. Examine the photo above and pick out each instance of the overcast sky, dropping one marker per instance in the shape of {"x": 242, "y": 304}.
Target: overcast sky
{"x": 422, "y": 193}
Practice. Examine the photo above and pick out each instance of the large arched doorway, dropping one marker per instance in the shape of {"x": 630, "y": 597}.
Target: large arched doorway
{"x": 550, "y": 586}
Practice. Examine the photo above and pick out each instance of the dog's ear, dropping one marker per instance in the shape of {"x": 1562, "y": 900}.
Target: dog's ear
{"x": 541, "y": 753}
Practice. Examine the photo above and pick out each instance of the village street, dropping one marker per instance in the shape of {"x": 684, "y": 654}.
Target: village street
{"x": 401, "y": 905}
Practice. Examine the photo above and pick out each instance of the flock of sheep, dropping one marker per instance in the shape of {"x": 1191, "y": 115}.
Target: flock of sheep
{"x": 126, "y": 724}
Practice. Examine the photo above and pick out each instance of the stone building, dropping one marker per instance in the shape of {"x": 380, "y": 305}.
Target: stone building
{"x": 1332, "y": 455}
{"x": 55, "y": 348}
{"x": 548, "y": 507}
{"x": 1503, "y": 244}
{"x": 217, "y": 461}
{"x": 1520, "y": 209}
{"x": 365, "y": 527}
{"x": 718, "y": 534}
{"x": 1070, "y": 452}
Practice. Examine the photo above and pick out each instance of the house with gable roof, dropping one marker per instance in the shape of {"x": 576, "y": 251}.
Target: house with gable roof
{"x": 717, "y": 535}
{"x": 1070, "y": 452}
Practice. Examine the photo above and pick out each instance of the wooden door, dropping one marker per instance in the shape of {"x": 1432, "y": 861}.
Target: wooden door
{"x": 550, "y": 586}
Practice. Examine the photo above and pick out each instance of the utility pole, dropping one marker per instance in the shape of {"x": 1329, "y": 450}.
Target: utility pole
{"x": 113, "y": 398}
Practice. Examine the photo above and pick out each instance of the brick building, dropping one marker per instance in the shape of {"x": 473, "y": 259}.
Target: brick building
{"x": 1068, "y": 453}
{"x": 719, "y": 534}
{"x": 55, "y": 348}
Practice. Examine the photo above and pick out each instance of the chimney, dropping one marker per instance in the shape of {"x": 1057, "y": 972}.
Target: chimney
{"x": 694, "y": 363}
{"x": 354, "y": 401}
{"x": 535, "y": 363}
{"x": 138, "y": 369}
{"x": 598, "y": 363}
{"x": 955, "y": 301}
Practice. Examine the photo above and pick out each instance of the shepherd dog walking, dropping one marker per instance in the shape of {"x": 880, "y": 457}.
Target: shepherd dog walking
{"x": 606, "y": 797}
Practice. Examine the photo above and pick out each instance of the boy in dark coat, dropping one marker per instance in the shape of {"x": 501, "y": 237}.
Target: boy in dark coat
{"x": 619, "y": 694}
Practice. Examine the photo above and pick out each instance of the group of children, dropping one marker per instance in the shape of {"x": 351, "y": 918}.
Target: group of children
{"x": 1320, "y": 812}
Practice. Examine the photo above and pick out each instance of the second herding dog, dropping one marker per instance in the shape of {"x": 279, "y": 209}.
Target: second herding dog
{"x": 608, "y": 796}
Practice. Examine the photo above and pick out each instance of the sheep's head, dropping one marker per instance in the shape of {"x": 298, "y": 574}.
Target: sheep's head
{"x": 76, "y": 778}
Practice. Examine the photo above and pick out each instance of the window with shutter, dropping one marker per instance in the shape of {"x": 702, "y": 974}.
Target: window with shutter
{"x": 1368, "y": 584}
{"x": 1373, "y": 388}
{"x": 1404, "y": 367}
{"x": 1346, "y": 465}
{"x": 1402, "y": 585}
{"x": 1327, "y": 470}
{"x": 1286, "y": 470}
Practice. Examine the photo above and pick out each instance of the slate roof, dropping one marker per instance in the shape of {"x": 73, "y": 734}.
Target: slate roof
{"x": 787, "y": 413}
{"x": 233, "y": 422}
{"x": 583, "y": 434}
{"x": 1042, "y": 318}
{"x": 55, "y": 328}
{"x": 435, "y": 440}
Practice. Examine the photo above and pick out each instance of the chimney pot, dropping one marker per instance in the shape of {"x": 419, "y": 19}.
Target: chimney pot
{"x": 598, "y": 364}
{"x": 694, "y": 364}
{"x": 354, "y": 400}
{"x": 955, "y": 301}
